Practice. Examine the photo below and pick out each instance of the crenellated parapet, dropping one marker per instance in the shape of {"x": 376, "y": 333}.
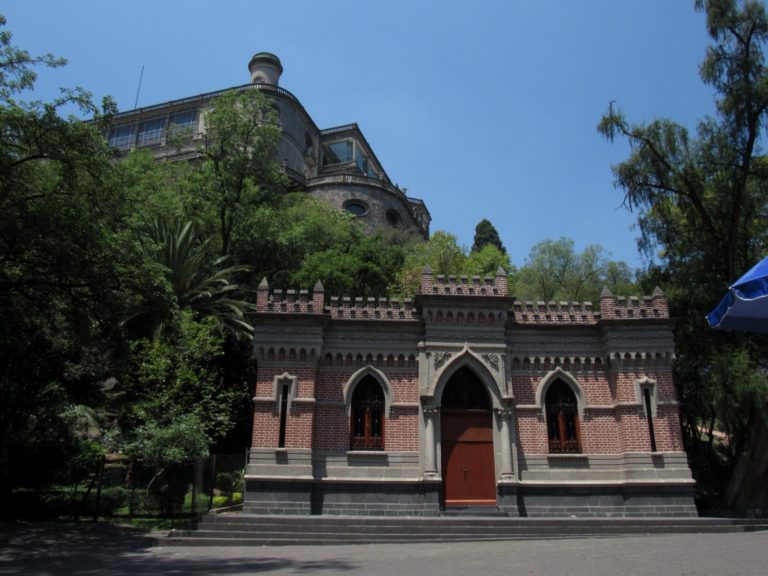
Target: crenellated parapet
{"x": 347, "y": 308}
{"x": 584, "y": 313}
{"x": 340, "y": 308}
{"x": 290, "y": 301}
{"x": 623, "y": 308}
{"x": 539, "y": 313}
{"x": 580, "y": 313}
{"x": 463, "y": 285}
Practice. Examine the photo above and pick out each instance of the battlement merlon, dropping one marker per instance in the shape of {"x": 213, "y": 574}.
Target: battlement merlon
{"x": 633, "y": 307}
{"x": 463, "y": 285}
{"x": 611, "y": 307}
{"x": 545, "y": 313}
{"x": 340, "y": 308}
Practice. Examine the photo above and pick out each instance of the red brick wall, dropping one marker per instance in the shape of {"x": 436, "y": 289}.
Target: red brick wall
{"x": 300, "y": 417}
{"x": 401, "y": 425}
{"x": 609, "y": 427}
{"x": 605, "y": 429}
{"x": 324, "y": 425}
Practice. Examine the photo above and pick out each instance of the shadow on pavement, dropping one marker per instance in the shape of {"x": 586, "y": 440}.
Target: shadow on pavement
{"x": 30, "y": 549}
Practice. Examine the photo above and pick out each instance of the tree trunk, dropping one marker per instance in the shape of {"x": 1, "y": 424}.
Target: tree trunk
{"x": 747, "y": 490}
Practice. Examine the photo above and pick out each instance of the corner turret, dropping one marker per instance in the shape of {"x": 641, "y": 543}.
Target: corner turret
{"x": 265, "y": 68}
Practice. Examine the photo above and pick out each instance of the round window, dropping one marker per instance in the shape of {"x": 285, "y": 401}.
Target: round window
{"x": 393, "y": 218}
{"x": 356, "y": 207}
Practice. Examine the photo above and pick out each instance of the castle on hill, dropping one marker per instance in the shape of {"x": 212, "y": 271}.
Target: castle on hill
{"x": 336, "y": 165}
{"x": 461, "y": 397}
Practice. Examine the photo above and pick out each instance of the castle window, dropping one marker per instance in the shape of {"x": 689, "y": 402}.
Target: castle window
{"x": 122, "y": 137}
{"x": 562, "y": 419}
{"x": 151, "y": 132}
{"x": 356, "y": 207}
{"x": 393, "y": 218}
{"x": 362, "y": 161}
{"x": 337, "y": 152}
{"x": 184, "y": 122}
{"x": 367, "y": 426}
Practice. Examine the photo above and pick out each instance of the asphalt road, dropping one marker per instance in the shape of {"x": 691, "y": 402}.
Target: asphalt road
{"x": 64, "y": 550}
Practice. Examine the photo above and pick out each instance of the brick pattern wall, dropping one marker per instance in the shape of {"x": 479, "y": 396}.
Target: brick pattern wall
{"x": 401, "y": 424}
{"x": 620, "y": 307}
{"x": 554, "y": 313}
{"x": 464, "y": 285}
{"x": 347, "y": 308}
{"x": 301, "y": 412}
{"x": 614, "y": 419}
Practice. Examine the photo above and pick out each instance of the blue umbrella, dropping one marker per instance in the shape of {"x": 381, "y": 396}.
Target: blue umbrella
{"x": 745, "y": 307}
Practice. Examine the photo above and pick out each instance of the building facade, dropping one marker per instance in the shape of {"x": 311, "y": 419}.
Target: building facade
{"x": 464, "y": 397}
{"x": 336, "y": 165}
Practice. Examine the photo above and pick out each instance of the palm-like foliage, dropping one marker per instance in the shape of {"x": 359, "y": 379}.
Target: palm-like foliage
{"x": 205, "y": 287}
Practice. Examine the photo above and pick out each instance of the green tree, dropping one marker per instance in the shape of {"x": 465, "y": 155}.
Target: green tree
{"x": 701, "y": 202}
{"x": 444, "y": 256}
{"x": 17, "y": 72}
{"x": 200, "y": 283}
{"x": 486, "y": 234}
{"x": 178, "y": 402}
{"x": 66, "y": 269}
{"x": 362, "y": 268}
{"x": 486, "y": 261}
{"x": 296, "y": 226}
{"x": 238, "y": 173}
{"x": 555, "y": 271}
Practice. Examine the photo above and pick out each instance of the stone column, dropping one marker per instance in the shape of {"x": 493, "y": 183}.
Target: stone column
{"x": 430, "y": 461}
{"x": 504, "y": 415}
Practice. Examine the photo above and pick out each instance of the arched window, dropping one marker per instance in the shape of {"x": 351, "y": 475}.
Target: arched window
{"x": 367, "y": 425}
{"x": 562, "y": 419}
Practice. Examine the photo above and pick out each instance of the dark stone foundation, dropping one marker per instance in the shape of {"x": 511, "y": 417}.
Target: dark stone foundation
{"x": 422, "y": 498}
{"x": 264, "y": 496}
{"x": 627, "y": 500}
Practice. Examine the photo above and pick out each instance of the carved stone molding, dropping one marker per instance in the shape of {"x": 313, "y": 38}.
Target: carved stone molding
{"x": 430, "y": 411}
{"x": 492, "y": 360}
{"x": 441, "y": 358}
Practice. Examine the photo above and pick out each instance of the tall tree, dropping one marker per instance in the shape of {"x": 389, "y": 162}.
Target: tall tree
{"x": 239, "y": 172}
{"x": 486, "y": 234}
{"x": 702, "y": 202}
{"x": 65, "y": 267}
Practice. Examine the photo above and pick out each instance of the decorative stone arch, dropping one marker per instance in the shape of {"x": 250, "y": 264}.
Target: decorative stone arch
{"x": 467, "y": 358}
{"x": 570, "y": 380}
{"x": 354, "y": 380}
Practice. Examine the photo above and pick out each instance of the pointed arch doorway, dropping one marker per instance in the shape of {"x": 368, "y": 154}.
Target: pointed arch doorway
{"x": 468, "y": 469}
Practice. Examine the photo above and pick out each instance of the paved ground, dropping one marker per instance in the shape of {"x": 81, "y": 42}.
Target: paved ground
{"x": 64, "y": 550}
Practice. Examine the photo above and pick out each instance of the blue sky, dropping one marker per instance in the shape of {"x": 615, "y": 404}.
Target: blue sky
{"x": 484, "y": 109}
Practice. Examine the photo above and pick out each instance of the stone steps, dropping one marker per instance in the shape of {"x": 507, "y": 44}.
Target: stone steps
{"x": 254, "y": 530}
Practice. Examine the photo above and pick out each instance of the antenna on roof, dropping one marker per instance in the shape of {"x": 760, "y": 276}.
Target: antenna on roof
{"x": 136, "y": 102}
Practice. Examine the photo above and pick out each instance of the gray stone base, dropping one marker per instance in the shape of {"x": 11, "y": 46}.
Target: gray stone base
{"x": 626, "y": 500}
{"x": 422, "y": 498}
{"x": 507, "y": 498}
{"x": 272, "y": 496}
{"x": 377, "y": 498}
{"x": 411, "y": 498}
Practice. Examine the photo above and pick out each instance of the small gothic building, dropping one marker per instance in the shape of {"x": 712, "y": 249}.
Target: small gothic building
{"x": 464, "y": 397}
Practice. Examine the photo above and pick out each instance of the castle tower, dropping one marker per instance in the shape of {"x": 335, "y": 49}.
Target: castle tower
{"x": 265, "y": 68}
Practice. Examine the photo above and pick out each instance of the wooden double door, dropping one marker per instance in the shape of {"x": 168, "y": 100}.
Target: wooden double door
{"x": 469, "y": 476}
